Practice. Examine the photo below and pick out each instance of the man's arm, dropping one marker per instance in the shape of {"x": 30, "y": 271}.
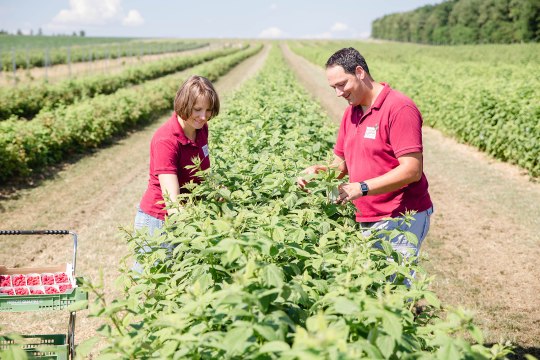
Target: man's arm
{"x": 409, "y": 170}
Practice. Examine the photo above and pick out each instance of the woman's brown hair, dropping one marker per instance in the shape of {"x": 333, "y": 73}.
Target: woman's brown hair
{"x": 193, "y": 88}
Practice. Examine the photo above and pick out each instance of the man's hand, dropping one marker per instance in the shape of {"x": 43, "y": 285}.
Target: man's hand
{"x": 314, "y": 169}
{"x": 348, "y": 192}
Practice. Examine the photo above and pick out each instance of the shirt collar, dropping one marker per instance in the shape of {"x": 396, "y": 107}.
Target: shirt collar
{"x": 179, "y": 132}
{"x": 382, "y": 96}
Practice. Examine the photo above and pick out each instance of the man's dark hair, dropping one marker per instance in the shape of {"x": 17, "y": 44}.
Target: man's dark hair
{"x": 348, "y": 59}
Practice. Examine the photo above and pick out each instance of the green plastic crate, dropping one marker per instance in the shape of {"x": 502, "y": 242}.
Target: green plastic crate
{"x": 19, "y": 303}
{"x": 42, "y": 347}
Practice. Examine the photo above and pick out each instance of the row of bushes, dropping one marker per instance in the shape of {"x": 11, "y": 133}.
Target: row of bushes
{"x": 27, "y": 100}
{"x": 486, "y": 96}
{"x": 54, "y": 55}
{"x": 48, "y": 138}
{"x": 263, "y": 270}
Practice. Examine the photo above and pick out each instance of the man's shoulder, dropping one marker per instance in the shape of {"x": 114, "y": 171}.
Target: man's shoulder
{"x": 397, "y": 99}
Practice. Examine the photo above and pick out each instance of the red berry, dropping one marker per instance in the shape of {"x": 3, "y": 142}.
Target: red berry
{"x": 37, "y": 292}
{"x": 47, "y": 279}
{"x": 63, "y": 288}
{"x": 61, "y": 278}
{"x": 51, "y": 290}
{"x": 8, "y": 291}
{"x": 18, "y": 280}
{"x": 5, "y": 280}
{"x": 22, "y": 290}
{"x": 32, "y": 280}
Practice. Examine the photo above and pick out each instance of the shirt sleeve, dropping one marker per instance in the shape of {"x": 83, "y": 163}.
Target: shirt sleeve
{"x": 406, "y": 131}
{"x": 165, "y": 155}
{"x": 339, "y": 148}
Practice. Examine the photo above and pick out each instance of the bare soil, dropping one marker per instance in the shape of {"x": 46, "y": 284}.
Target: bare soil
{"x": 93, "y": 195}
{"x": 484, "y": 243}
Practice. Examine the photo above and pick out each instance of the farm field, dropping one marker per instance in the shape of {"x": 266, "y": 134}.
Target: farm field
{"x": 59, "y": 72}
{"x": 465, "y": 269}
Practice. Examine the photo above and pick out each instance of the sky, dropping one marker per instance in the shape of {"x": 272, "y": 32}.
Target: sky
{"x": 273, "y": 19}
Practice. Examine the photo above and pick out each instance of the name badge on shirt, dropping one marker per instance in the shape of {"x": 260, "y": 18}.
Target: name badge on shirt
{"x": 205, "y": 150}
{"x": 371, "y": 132}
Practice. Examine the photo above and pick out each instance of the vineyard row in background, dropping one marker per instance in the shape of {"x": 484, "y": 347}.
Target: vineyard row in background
{"x": 47, "y": 139}
{"x": 15, "y": 58}
{"x": 485, "y": 96}
{"x": 27, "y": 100}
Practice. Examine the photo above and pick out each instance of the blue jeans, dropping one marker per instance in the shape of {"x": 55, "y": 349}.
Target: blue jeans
{"x": 142, "y": 221}
{"x": 419, "y": 226}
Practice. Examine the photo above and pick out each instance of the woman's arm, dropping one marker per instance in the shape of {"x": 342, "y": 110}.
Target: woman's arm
{"x": 170, "y": 187}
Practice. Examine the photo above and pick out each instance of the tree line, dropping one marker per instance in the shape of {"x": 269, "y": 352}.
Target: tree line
{"x": 463, "y": 22}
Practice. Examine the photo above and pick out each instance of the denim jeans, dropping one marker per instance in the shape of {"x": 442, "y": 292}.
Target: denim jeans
{"x": 142, "y": 221}
{"x": 419, "y": 226}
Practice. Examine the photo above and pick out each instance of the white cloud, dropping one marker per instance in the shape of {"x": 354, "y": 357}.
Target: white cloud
{"x": 273, "y": 6}
{"x": 94, "y": 13}
{"x": 339, "y": 27}
{"x": 133, "y": 18}
{"x": 272, "y": 32}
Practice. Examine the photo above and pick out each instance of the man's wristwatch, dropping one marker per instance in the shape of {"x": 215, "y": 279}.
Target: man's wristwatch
{"x": 364, "y": 188}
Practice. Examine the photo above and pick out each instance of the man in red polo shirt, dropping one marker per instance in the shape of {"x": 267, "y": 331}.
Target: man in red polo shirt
{"x": 379, "y": 145}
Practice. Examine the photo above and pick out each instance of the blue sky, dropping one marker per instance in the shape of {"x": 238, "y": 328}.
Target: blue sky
{"x": 342, "y": 19}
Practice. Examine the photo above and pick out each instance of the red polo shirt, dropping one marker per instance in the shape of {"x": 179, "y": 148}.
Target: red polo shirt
{"x": 371, "y": 143}
{"x": 170, "y": 152}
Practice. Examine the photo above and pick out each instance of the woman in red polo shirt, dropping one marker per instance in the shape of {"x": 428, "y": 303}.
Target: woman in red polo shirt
{"x": 173, "y": 146}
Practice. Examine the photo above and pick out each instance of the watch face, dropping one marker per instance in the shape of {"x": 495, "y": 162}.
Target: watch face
{"x": 364, "y": 188}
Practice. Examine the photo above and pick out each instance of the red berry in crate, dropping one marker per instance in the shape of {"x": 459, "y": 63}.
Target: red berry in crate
{"x": 47, "y": 279}
{"x": 51, "y": 290}
{"x": 21, "y": 291}
{"x": 18, "y": 280}
{"x": 32, "y": 280}
{"x": 9, "y": 291}
{"x": 37, "y": 292}
{"x": 63, "y": 288}
{"x": 61, "y": 278}
{"x": 5, "y": 280}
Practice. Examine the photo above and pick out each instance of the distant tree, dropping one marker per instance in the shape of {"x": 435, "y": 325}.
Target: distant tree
{"x": 82, "y": 33}
{"x": 19, "y": 32}
{"x": 464, "y": 22}
{"x": 31, "y": 32}
{"x": 39, "y": 32}
{"x": 74, "y": 34}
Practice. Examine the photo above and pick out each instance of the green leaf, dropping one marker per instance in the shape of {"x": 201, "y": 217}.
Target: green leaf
{"x": 78, "y": 305}
{"x": 345, "y": 306}
{"x": 411, "y": 237}
{"x": 432, "y": 299}
{"x": 274, "y": 346}
{"x": 392, "y": 325}
{"x": 386, "y": 345}
{"x": 448, "y": 351}
{"x": 267, "y": 332}
{"x": 272, "y": 276}
{"x": 85, "y": 347}
{"x": 236, "y": 340}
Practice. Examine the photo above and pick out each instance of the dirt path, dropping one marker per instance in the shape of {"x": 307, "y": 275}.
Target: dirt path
{"x": 484, "y": 243}
{"x": 93, "y": 196}
{"x": 60, "y": 72}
